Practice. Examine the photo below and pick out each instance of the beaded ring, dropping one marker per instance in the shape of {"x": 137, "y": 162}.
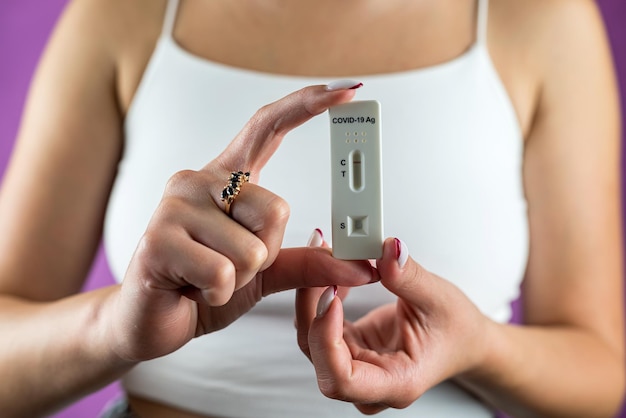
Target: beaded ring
{"x": 233, "y": 187}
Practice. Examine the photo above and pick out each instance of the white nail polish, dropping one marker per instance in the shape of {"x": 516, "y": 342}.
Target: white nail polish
{"x": 325, "y": 300}
{"x": 343, "y": 85}
{"x": 403, "y": 252}
{"x": 316, "y": 239}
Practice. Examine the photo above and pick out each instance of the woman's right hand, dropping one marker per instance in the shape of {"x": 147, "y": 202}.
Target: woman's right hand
{"x": 197, "y": 269}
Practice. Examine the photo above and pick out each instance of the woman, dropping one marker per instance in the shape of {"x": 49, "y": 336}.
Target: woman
{"x": 501, "y": 148}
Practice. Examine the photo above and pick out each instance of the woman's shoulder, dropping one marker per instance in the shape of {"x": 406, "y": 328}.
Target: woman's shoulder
{"x": 533, "y": 12}
{"x": 118, "y": 19}
{"x": 535, "y": 43}
{"x": 122, "y": 32}
{"x": 543, "y": 24}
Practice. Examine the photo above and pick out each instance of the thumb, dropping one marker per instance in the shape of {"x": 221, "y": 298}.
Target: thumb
{"x": 329, "y": 352}
{"x": 401, "y": 275}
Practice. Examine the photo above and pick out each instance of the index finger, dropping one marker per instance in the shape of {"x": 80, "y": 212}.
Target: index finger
{"x": 258, "y": 140}
{"x": 315, "y": 267}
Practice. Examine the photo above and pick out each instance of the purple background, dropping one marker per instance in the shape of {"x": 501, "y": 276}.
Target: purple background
{"x": 24, "y": 28}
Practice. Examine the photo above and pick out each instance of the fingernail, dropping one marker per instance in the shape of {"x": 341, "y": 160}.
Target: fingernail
{"x": 402, "y": 252}
{"x": 343, "y": 85}
{"x": 316, "y": 239}
{"x": 325, "y": 300}
{"x": 375, "y": 275}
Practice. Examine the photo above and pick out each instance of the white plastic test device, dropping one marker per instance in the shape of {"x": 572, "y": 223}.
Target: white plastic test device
{"x": 356, "y": 180}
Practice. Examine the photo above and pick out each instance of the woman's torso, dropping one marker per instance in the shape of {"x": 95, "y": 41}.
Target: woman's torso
{"x": 451, "y": 135}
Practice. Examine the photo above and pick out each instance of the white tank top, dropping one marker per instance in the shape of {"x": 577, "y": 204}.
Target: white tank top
{"x": 452, "y": 159}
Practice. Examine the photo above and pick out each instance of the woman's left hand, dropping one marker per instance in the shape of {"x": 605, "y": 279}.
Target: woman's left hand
{"x": 395, "y": 353}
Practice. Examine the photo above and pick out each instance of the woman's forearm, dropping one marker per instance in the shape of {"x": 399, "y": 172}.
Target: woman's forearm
{"x": 53, "y": 353}
{"x": 549, "y": 372}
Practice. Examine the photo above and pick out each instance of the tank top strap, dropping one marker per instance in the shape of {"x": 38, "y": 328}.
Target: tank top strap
{"x": 481, "y": 21}
{"x": 169, "y": 18}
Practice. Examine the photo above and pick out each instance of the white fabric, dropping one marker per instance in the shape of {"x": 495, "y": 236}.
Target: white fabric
{"x": 452, "y": 191}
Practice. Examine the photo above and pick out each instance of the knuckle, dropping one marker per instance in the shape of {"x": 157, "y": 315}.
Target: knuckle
{"x": 223, "y": 275}
{"x": 216, "y": 297}
{"x": 331, "y": 388}
{"x": 261, "y": 120}
{"x": 255, "y": 256}
{"x": 262, "y": 115}
{"x": 170, "y": 208}
{"x": 405, "y": 396}
{"x": 221, "y": 285}
{"x": 278, "y": 210}
{"x": 303, "y": 342}
{"x": 151, "y": 249}
{"x": 418, "y": 272}
{"x": 269, "y": 120}
{"x": 272, "y": 215}
{"x": 181, "y": 181}
{"x": 401, "y": 405}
